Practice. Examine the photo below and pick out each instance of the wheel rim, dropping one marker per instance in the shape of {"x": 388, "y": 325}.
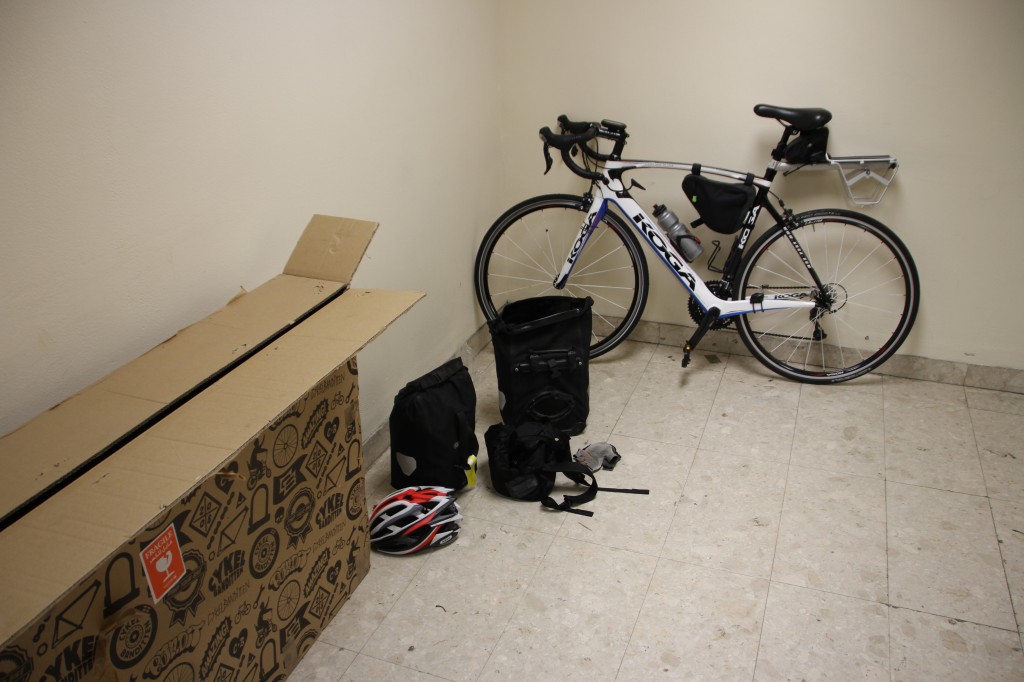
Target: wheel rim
{"x": 523, "y": 259}
{"x": 864, "y": 309}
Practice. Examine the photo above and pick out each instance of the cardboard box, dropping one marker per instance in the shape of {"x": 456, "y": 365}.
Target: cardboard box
{"x": 200, "y": 513}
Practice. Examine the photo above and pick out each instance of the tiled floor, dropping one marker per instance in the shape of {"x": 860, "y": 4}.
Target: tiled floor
{"x": 872, "y": 530}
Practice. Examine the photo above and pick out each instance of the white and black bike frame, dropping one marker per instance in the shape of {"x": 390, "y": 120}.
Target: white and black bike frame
{"x": 610, "y": 190}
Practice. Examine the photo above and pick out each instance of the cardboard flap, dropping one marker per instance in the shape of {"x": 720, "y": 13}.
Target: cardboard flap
{"x": 330, "y": 248}
{"x": 45, "y": 450}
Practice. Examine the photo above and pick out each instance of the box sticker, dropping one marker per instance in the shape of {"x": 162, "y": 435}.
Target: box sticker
{"x": 163, "y": 563}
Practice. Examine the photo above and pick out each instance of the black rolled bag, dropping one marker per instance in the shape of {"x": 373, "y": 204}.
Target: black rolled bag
{"x": 524, "y": 461}
{"x": 541, "y": 357}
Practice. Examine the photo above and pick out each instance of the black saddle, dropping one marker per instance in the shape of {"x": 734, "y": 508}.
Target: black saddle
{"x": 801, "y": 119}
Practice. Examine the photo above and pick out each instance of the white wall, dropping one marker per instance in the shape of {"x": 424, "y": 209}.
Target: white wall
{"x": 155, "y": 157}
{"x": 937, "y": 83}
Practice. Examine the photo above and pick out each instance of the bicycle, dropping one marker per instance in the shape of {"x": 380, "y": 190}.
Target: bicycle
{"x": 822, "y": 296}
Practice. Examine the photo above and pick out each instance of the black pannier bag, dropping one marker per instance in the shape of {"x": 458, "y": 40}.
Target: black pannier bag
{"x": 433, "y": 430}
{"x": 722, "y": 206}
{"x": 541, "y": 356}
{"x": 808, "y": 147}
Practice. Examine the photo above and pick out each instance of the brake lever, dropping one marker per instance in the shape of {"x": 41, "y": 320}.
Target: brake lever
{"x": 547, "y": 159}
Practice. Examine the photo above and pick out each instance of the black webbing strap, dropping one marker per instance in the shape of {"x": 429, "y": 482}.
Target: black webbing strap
{"x": 578, "y": 473}
{"x": 634, "y": 491}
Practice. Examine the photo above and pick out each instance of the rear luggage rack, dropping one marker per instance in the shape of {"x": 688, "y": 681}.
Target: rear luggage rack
{"x": 865, "y": 177}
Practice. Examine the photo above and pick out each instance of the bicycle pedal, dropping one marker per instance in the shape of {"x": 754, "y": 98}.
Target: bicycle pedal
{"x": 686, "y": 355}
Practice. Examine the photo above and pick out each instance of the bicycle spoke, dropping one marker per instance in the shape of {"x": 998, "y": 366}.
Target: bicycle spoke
{"x": 865, "y": 308}
{"x": 531, "y": 263}
{"x": 526, "y": 248}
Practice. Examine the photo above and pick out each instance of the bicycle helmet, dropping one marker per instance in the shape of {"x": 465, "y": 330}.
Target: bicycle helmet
{"x": 413, "y": 519}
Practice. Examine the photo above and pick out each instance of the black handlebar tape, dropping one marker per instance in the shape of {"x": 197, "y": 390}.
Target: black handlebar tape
{"x": 575, "y": 127}
{"x": 565, "y": 142}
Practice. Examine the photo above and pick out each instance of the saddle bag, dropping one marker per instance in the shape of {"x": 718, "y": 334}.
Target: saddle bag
{"x": 722, "y": 206}
{"x": 541, "y": 357}
{"x": 809, "y": 146}
{"x": 433, "y": 430}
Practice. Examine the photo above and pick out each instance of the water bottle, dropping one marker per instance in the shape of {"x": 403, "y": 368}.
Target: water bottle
{"x": 687, "y": 244}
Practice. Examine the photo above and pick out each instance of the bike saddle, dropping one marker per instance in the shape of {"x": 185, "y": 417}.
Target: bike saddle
{"x": 801, "y": 119}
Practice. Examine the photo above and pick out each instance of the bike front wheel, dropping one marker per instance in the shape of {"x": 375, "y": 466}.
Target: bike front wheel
{"x": 863, "y": 311}
{"x": 524, "y": 250}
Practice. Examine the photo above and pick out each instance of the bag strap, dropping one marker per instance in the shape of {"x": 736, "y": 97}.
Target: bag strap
{"x": 578, "y": 473}
{"x": 553, "y": 361}
{"x": 634, "y": 491}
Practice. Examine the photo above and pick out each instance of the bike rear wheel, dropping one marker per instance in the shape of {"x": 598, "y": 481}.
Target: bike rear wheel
{"x": 864, "y": 311}
{"x": 524, "y": 250}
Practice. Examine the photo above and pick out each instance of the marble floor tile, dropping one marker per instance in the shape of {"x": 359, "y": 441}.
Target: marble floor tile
{"x": 669, "y": 405}
{"x": 1000, "y": 440}
{"x": 812, "y": 635}
{"x": 635, "y": 522}
{"x": 754, "y": 415}
{"x": 370, "y": 603}
{"x": 696, "y": 624}
{"x": 1009, "y": 520}
{"x": 832, "y": 534}
{"x": 898, "y": 390}
{"x": 449, "y": 620}
{"x": 322, "y": 663}
{"x": 995, "y": 401}
{"x": 840, "y": 430}
{"x": 576, "y": 617}
{"x": 367, "y": 669}
{"x": 728, "y": 516}
{"x": 928, "y": 648}
{"x": 613, "y": 377}
{"x": 944, "y": 556}
{"x": 747, "y": 368}
{"x": 932, "y": 444}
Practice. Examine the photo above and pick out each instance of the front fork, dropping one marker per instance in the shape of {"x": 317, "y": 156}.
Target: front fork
{"x": 594, "y": 217}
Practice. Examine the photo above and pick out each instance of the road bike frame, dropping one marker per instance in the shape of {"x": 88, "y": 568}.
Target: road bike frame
{"x": 610, "y": 190}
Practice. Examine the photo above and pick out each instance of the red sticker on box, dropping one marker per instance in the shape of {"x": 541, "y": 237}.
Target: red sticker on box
{"x": 163, "y": 563}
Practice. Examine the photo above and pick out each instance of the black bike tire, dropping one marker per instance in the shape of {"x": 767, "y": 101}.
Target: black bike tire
{"x": 906, "y": 321}
{"x": 577, "y": 203}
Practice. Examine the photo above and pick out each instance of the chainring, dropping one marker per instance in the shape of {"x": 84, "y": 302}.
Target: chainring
{"x": 719, "y": 289}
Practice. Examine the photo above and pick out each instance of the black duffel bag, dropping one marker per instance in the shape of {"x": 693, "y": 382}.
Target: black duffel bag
{"x": 542, "y": 357}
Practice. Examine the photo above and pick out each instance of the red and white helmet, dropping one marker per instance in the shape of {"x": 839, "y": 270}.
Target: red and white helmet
{"x": 413, "y": 519}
